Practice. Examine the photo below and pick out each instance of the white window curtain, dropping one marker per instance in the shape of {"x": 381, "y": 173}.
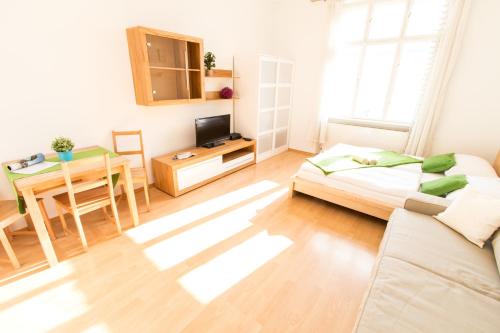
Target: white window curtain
{"x": 389, "y": 62}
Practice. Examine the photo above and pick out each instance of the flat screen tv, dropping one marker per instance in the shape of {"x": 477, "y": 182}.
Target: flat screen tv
{"x": 211, "y": 130}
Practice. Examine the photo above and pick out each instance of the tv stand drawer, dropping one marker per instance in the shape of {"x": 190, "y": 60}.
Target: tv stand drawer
{"x": 236, "y": 162}
{"x": 196, "y": 173}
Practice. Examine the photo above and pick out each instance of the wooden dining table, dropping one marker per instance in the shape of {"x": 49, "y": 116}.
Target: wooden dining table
{"x": 32, "y": 186}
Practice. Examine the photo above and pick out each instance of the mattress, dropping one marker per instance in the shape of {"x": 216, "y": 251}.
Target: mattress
{"x": 386, "y": 185}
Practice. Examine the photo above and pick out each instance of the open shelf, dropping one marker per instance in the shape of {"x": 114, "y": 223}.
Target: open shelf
{"x": 221, "y": 73}
{"x": 167, "y": 68}
{"x": 236, "y": 154}
{"x": 215, "y": 96}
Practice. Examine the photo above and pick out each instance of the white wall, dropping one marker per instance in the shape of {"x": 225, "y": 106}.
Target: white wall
{"x": 470, "y": 122}
{"x": 301, "y": 34}
{"x": 65, "y": 70}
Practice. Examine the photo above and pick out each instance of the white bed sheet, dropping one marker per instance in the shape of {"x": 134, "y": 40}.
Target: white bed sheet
{"x": 363, "y": 192}
{"x": 388, "y": 185}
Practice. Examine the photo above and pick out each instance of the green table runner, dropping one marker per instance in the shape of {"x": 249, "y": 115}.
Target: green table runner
{"x": 385, "y": 159}
{"x": 12, "y": 177}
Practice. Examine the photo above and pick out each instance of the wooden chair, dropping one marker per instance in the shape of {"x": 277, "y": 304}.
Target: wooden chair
{"x": 95, "y": 192}
{"x": 139, "y": 175}
{"x": 9, "y": 214}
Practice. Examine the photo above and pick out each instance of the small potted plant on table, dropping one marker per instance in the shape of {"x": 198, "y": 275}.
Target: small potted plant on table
{"x": 64, "y": 148}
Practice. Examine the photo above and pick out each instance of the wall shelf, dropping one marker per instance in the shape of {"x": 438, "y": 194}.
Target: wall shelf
{"x": 219, "y": 73}
{"x": 215, "y": 96}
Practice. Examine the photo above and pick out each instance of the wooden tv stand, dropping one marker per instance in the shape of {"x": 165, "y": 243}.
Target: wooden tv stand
{"x": 177, "y": 177}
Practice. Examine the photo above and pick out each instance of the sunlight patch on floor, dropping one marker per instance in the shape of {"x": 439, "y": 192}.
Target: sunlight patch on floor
{"x": 176, "y": 249}
{"x": 169, "y": 223}
{"x": 35, "y": 282}
{"x": 208, "y": 281}
{"x": 46, "y": 310}
{"x": 97, "y": 328}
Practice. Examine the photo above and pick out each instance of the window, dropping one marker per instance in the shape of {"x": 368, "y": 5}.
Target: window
{"x": 382, "y": 54}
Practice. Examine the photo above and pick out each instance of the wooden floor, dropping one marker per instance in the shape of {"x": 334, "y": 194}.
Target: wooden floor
{"x": 236, "y": 255}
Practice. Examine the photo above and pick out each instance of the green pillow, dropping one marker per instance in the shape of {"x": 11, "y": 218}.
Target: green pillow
{"x": 438, "y": 163}
{"x": 444, "y": 185}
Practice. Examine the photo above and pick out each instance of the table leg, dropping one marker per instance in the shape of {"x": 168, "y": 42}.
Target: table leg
{"x": 41, "y": 231}
{"x": 129, "y": 187}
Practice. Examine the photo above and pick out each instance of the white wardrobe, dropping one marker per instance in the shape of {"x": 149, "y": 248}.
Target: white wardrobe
{"x": 275, "y": 105}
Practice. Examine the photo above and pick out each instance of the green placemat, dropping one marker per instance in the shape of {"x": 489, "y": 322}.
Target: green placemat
{"x": 12, "y": 177}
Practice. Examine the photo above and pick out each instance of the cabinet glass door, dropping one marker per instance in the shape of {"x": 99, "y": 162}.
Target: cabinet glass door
{"x": 275, "y": 105}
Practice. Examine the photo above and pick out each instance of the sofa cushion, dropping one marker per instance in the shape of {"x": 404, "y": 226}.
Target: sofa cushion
{"x": 473, "y": 214}
{"x": 426, "y": 204}
{"x": 427, "y": 243}
{"x": 407, "y": 298}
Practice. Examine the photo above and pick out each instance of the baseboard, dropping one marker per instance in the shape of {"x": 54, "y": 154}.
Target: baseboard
{"x": 301, "y": 151}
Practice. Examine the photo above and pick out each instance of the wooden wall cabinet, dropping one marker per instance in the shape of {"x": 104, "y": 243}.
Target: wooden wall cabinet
{"x": 167, "y": 67}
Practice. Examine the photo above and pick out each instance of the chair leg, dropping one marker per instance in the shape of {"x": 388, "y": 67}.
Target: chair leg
{"x": 79, "y": 227}
{"x": 146, "y": 195}
{"x": 62, "y": 219}
{"x": 29, "y": 222}
{"x": 114, "y": 210}
{"x": 106, "y": 215}
{"x": 46, "y": 219}
{"x": 9, "y": 234}
{"x": 8, "y": 249}
{"x": 122, "y": 193}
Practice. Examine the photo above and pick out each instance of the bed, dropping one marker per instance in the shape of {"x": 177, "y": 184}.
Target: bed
{"x": 378, "y": 191}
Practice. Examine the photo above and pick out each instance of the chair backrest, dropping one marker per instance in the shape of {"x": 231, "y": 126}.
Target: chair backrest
{"x": 129, "y": 152}
{"x": 91, "y": 170}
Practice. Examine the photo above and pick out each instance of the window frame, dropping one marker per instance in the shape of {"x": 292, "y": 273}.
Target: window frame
{"x": 399, "y": 41}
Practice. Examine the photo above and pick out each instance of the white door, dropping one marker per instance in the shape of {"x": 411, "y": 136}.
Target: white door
{"x": 275, "y": 106}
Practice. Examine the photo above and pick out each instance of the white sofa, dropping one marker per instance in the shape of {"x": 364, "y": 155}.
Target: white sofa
{"x": 428, "y": 278}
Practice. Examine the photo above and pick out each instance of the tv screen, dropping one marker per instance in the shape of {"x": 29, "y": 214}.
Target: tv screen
{"x": 212, "y": 129}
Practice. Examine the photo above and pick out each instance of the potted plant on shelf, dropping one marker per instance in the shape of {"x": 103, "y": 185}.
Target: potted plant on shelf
{"x": 64, "y": 148}
{"x": 209, "y": 63}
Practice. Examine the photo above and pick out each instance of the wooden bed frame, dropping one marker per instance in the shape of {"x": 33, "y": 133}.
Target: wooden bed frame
{"x": 351, "y": 200}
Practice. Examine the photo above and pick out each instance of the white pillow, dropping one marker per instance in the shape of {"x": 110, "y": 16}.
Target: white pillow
{"x": 471, "y": 166}
{"x": 475, "y": 215}
{"x": 485, "y": 185}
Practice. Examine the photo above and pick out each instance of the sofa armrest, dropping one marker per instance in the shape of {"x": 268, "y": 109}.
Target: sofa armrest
{"x": 426, "y": 204}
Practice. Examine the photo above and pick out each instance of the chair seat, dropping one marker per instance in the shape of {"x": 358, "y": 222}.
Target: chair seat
{"x": 138, "y": 175}
{"x": 90, "y": 197}
{"x": 8, "y": 212}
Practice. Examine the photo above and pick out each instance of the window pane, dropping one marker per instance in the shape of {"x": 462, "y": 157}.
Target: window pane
{"x": 426, "y": 17}
{"x": 351, "y": 24}
{"x": 413, "y": 70}
{"x": 341, "y": 82}
{"x": 374, "y": 82}
{"x": 387, "y": 19}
